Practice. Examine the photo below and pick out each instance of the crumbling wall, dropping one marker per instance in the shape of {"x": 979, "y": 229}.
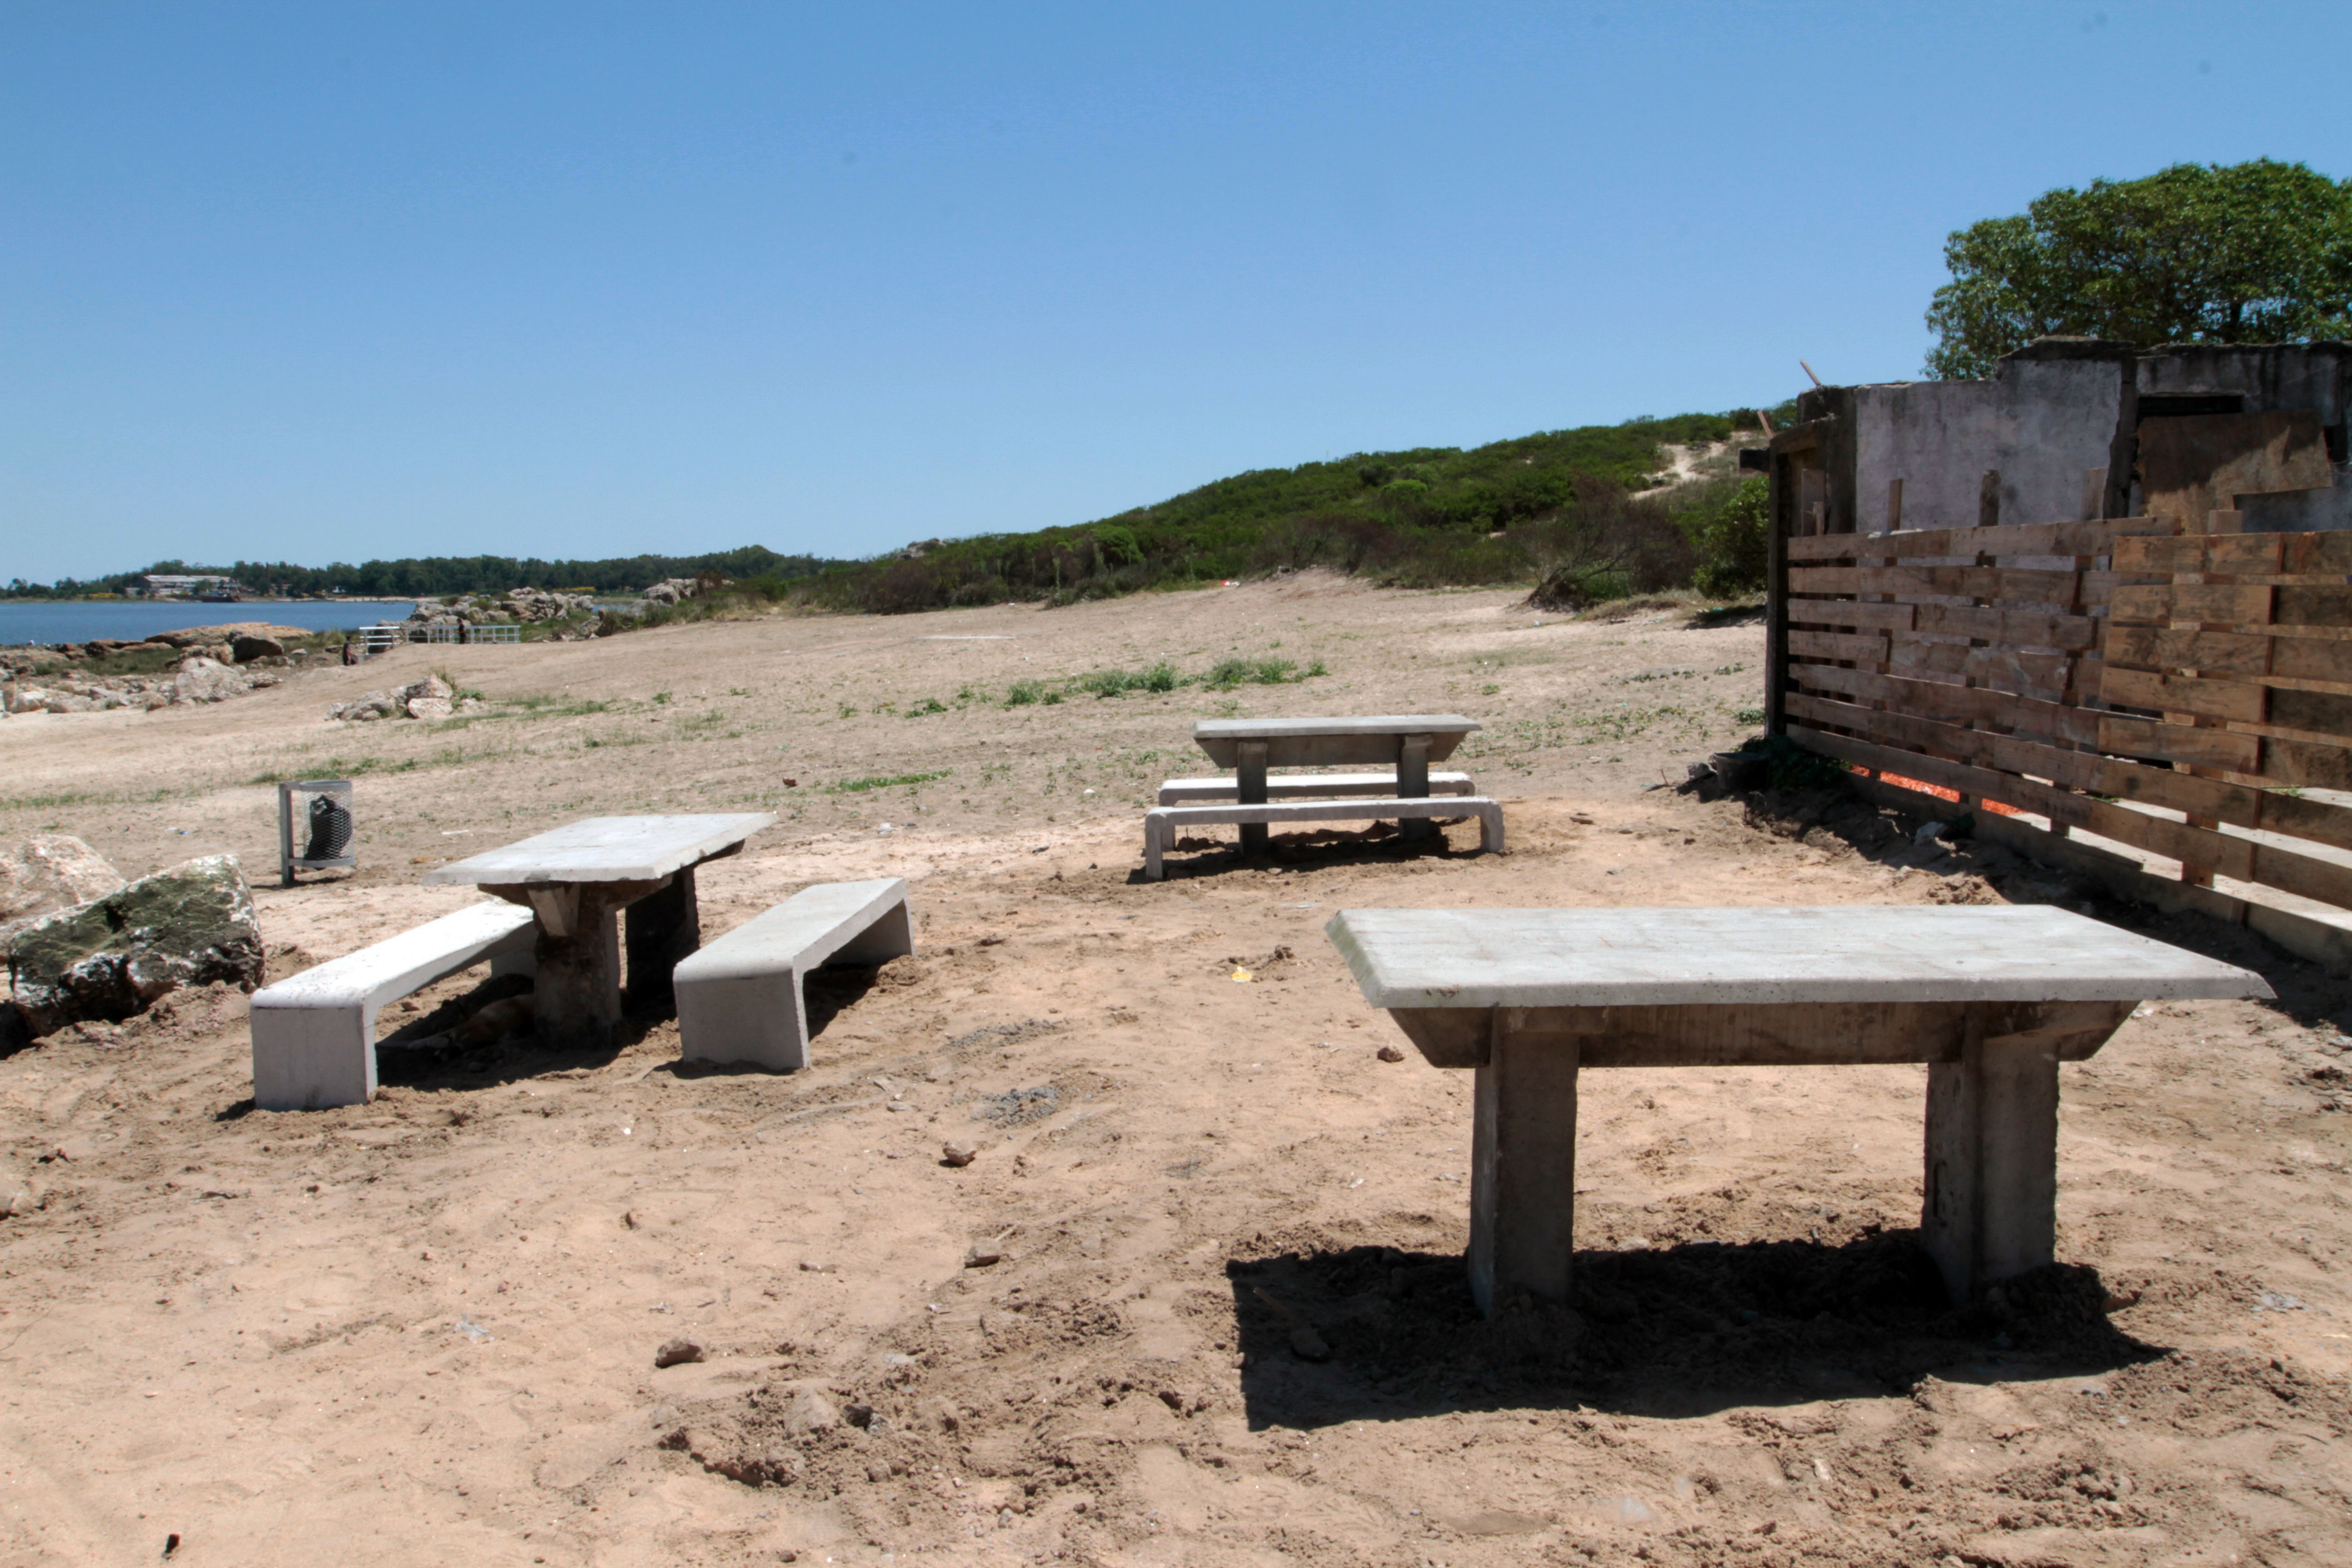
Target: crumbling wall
{"x": 2258, "y": 380}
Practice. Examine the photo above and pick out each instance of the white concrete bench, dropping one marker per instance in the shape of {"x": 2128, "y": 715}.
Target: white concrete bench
{"x": 1300, "y": 786}
{"x": 1161, "y": 823}
{"x": 314, "y": 1034}
{"x": 738, "y": 999}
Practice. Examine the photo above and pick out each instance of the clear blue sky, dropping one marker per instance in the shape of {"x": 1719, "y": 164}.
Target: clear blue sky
{"x": 333, "y": 282}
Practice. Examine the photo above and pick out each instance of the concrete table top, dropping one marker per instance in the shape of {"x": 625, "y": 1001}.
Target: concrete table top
{"x": 607, "y": 849}
{"x": 1332, "y": 742}
{"x": 1678, "y": 957}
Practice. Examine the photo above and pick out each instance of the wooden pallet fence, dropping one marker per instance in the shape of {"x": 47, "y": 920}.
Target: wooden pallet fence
{"x": 2109, "y": 676}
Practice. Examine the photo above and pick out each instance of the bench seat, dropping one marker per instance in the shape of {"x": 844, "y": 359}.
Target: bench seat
{"x": 740, "y": 999}
{"x": 1161, "y": 823}
{"x": 1295, "y": 786}
{"x": 314, "y": 1033}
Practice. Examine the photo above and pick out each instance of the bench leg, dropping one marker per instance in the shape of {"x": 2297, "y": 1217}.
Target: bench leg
{"x": 891, "y": 936}
{"x": 305, "y": 1058}
{"x": 1991, "y": 1208}
{"x": 1412, "y": 784}
{"x": 661, "y": 929}
{"x": 1490, "y": 830}
{"x": 1523, "y": 1170}
{"x": 577, "y": 997}
{"x": 1155, "y": 832}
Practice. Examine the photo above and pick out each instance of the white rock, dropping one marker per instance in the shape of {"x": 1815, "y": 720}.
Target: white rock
{"x": 47, "y": 872}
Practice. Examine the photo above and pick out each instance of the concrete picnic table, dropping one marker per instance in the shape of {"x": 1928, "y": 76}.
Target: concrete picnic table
{"x": 1409, "y": 742}
{"x": 1991, "y": 998}
{"x": 576, "y": 878}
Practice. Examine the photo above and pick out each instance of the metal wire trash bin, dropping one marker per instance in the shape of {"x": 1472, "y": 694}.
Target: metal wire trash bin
{"x": 326, "y": 827}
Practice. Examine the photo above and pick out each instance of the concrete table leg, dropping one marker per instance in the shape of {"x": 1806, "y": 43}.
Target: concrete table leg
{"x": 577, "y": 996}
{"x": 1249, "y": 781}
{"x": 1991, "y": 1208}
{"x": 1523, "y": 1169}
{"x": 661, "y": 929}
{"x": 1412, "y": 784}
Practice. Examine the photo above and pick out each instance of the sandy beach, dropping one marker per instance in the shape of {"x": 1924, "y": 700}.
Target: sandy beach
{"x": 423, "y": 1330}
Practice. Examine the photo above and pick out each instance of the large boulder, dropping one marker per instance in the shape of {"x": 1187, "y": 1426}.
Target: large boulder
{"x": 48, "y": 872}
{"x": 247, "y": 647}
{"x": 204, "y": 679}
{"x": 112, "y": 958}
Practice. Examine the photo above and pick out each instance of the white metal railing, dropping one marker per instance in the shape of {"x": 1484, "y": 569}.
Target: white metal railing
{"x": 374, "y": 639}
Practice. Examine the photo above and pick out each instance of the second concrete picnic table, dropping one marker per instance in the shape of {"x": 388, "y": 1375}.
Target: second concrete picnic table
{"x": 577, "y": 878}
{"x": 1992, "y": 999}
{"x": 1407, "y": 742}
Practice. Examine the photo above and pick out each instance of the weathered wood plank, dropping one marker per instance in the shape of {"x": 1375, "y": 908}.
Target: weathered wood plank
{"x": 2089, "y": 538}
{"x": 2187, "y": 694}
{"x": 1999, "y": 583}
{"x": 1850, "y": 612}
{"x": 2205, "y": 602}
{"x": 1965, "y": 703}
{"x": 2222, "y": 749}
{"x": 1862, "y": 648}
{"x": 2015, "y": 628}
{"x": 2210, "y": 653}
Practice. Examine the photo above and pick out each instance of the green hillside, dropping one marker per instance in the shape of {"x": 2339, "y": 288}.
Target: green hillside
{"x": 1503, "y": 512}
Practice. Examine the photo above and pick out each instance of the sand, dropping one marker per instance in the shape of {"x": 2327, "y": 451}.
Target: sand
{"x": 424, "y": 1331}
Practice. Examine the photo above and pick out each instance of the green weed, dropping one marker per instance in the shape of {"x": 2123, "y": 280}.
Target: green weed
{"x": 892, "y": 781}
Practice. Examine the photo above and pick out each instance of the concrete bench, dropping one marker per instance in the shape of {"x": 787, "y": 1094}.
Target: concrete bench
{"x": 1161, "y": 823}
{"x": 738, "y": 999}
{"x": 1300, "y": 786}
{"x": 314, "y": 1034}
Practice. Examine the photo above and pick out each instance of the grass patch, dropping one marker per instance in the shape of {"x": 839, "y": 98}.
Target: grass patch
{"x": 882, "y": 780}
{"x": 928, "y": 706}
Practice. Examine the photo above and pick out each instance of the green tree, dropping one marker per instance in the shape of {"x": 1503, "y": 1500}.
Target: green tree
{"x": 2254, "y": 252}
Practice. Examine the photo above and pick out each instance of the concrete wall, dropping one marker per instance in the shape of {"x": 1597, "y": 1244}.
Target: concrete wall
{"x": 2040, "y": 423}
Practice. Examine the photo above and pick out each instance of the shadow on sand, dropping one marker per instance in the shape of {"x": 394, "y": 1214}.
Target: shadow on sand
{"x": 1373, "y": 1333}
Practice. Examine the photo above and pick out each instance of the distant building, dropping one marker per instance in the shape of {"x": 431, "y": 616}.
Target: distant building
{"x": 195, "y": 586}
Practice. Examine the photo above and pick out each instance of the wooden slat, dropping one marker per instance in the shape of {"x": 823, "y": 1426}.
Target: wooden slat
{"x": 2241, "y": 806}
{"x": 2016, "y": 628}
{"x": 2092, "y": 538}
{"x": 2223, "y": 854}
{"x": 1849, "y": 613}
{"x": 1952, "y": 582}
{"x": 2210, "y": 653}
{"x": 1838, "y": 645}
{"x": 2312, "y": 555}
{"x": 2199, "y": 602}
{"x": 2007, "y": 668}
{"x": 2222, "y": 749}
{"x": 2304, "y": 606}
{"x": 1963, "y": 703}
{"x": 2187, "y": 694}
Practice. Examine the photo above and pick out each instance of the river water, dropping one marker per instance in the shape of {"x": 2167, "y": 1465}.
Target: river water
{"x": 78, "y": 620}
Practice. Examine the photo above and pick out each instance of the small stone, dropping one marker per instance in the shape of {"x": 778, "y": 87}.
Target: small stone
{"x": 945, "y": 1414}
{"x": 1391, "y": 1053}
{"x": 858, "y": 1414}
{"x": 811, "y": 1412}
{"x": 1309, "y": 1344}
{"x": 679, "y": 1350}
{"x": 957, "y": 1155}
{"x": 982, "y": 1255}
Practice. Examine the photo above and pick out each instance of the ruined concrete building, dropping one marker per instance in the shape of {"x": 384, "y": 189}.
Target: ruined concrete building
{"x": 2222, "y": 439}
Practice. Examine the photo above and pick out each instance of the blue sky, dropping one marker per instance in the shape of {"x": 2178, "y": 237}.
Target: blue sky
{"x": 318, "y": 283}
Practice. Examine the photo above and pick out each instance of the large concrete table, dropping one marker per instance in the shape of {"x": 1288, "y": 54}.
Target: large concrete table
{"x": 577, "y": 879}
{"x": 1991, "y": 998}
{"x": 1407, "y": 742}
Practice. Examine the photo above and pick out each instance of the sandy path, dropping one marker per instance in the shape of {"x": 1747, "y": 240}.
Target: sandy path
{"x": 424, "y": 1330}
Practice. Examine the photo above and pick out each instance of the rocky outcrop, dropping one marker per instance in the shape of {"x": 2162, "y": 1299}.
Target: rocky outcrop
{"x": 431, "y": 697}
{"x": 110, "y": 958}
{"x": 48, "y": 872}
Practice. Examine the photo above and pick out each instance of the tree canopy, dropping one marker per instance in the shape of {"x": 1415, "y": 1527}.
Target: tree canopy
{"x": 2253, "y": 252}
